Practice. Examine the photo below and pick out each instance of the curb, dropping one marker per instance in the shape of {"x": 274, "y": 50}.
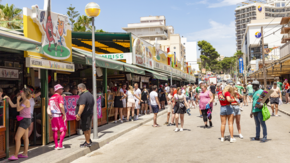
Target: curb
{"x": 284, "y": 112}
{"x": 96, "y": 145}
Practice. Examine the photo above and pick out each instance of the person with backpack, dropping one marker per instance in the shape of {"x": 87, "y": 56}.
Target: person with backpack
{"x": 257, "y": 112}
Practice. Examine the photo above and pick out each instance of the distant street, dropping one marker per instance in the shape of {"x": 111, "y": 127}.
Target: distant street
{"x": 196, "y": 144}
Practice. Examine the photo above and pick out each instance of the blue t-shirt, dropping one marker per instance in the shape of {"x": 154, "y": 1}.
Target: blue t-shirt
{"x": 255, "y": 99}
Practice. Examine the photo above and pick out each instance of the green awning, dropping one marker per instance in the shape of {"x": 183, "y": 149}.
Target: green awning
{"x": 17, "y": 42}
{"x": 134, "y": 69}
{"x": 156, "y": 75}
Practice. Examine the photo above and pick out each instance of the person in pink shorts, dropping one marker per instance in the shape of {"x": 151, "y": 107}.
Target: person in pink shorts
{"x": 57, "y": 114}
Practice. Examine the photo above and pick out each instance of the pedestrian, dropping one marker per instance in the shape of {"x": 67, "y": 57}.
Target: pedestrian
{"x": 245, "y": 95}
{"x": 144, "y": 98}
{"x": 198, "y": 90}
{"x": 226, "y": 112}
{"x": 75, "y": 91}
{"x": 162, "y": 96}
{"x": 180, "y": 105}
{"x": 257, "y": 113}
{"x": 155, "y": 105}
{"x": 84, "y": 112}
{"x": 275, "y": 98}
{"x": 24, "y": 119}
{"x": 240, "y": 90}
{"x": 206, "y": 105}
{"x": 131, "y": 104}
{"x": 118, "y": 104}
{"x": 170, "y": 108}
{"x": 287, "y": 90}
{"x": 137, "y": 93}
{"x": 237, "y": 110}
{"x": 213, "y": 91}
{"x": 124, "y": 91}
{"x": 250, "y": 92}
{"x": 56, "y": 112}
{"x": 66, "y": 91}
{"x": 34, "y": 95}
{"x": 279, "y": 84}
{"x": 167, "y": 88}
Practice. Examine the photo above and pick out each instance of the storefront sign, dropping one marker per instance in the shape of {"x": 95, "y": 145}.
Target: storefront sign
{"x": 161, "y": 66}
{"x": 143, "y": 53}
{"x": 70, "y": 103}
{"x": 145, "y": 79}
{"x": 9, "y": 73}
{"x": 119, "y": 56}
{"x": 51, "y": 29}
{"x": 51, "y": 65}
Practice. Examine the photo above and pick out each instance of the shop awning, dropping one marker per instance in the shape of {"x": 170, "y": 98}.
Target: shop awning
{"x": 17, "y": 42}
{"x": 133, "y": 69}
{"x": 105, "y": 42}
{"x": 157, "y": 75}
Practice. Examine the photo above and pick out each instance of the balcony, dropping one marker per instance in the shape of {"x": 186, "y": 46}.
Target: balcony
{"x": 285, "y": 50}
{"x": 285, "y": 38}
{"x": 284, "y": 20}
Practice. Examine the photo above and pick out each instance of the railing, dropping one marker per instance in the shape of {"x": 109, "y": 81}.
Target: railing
{"x": 285, "y": 50}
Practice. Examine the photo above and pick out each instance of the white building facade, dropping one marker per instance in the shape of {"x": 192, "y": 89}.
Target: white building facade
{"x": 191, "y": 54}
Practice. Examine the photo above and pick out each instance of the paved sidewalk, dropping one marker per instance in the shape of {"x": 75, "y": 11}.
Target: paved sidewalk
{"x": 107, "y": 133}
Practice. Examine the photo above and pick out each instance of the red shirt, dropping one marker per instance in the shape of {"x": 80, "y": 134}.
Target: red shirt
{"x": 223, "y": 98}
{"x": 174, "y": 92}
{"x": 287, "y": 86}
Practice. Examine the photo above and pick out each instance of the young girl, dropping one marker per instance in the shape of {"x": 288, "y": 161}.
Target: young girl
{"x": 24, "y": 119}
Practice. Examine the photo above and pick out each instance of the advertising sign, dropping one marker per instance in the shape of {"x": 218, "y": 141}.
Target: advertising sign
{"x": 241, "y": 65}
{"x": 70, "y": 103}
{"x": 49, "y": 28}
{"x": 119, "y": 56}
{"x": 9, "y": 73}
{"x": 47, "y": 64}
{"x": 143, "y": 53}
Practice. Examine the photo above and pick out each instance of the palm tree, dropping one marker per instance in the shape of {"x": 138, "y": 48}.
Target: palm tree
{"x": 85, "y": 21}
{"x": 79, "y": 28}
{"x": 10, "y": 17}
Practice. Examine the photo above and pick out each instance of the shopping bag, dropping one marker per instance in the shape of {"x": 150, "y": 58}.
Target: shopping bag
{"x": 265, "y": 112}
{"x": 280, "y": 102}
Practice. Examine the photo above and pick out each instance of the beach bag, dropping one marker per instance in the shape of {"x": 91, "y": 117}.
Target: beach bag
{"x": 265, "y": 112}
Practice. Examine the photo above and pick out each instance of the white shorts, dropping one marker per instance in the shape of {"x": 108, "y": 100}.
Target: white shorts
{"x": 169, "y": 108}
{"x": 137, "y": 105}
{"x": 124, "y": 103}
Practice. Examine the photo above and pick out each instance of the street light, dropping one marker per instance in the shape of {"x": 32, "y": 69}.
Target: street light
{"x": 170, "y": 55}
{"x": 93, "y": 10}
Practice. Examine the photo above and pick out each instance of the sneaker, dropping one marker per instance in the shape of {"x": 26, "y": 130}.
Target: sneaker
{"x": 232, "y": 140}
{"x": 277, "y": 115}
{"x": 210, "y": 123}
{"x": 241, "y": 136}
{"x": 273, "y": 114}
{"x": 56, "y": 148}
{"x": 60, "y": 148}
{"x": 177, "y": 129}
{"x": 256, "y": 139}
{"x": 121, "y": 121}
{"x": 222, "y": 139}
{"x": 264, "y": 139}
{"x": 206, "y": 126}
{"x": 241, "y": 109}
{"x": 115, "y": 121}
{"x": 86, "y": 144}
{"x": 132, "y": 120}
{"x": 181, "y": 130}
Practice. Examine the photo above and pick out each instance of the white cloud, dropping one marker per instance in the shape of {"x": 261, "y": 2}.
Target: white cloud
{"x": 223, "y": 3}
{"x": 221, "y": 36}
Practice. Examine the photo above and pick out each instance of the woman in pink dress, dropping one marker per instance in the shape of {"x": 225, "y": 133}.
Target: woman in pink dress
{"x": 206, "y": 98}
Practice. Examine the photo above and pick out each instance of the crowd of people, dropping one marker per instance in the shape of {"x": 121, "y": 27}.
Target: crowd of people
{"x": 179, "y": 100}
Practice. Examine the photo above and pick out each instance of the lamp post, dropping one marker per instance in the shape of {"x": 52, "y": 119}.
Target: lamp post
{"x": 170, "y": 55}
{"x": 93, "y": 10}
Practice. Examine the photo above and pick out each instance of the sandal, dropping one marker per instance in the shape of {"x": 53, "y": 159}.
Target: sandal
{"x": 22, "y": 156}
{"x": 12, "y": 158}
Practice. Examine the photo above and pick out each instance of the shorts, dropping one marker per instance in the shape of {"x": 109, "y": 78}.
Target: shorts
{"x": 86, "y": 122}
{"x": 226, "y": 110}
{"x": 169, "y": 108}
{"x": 155, "y": 108}
{"x": 58, "y": 124}
{"x": 274, "y": 100}
{"x": 250, "y": 94}
{"x": 130, "y": 104}
{"x": 288, "y": 91}
{"x": 187, "y": 98}
{"x": 124, "y": 103}
{"x": 137, "y": 105}
{"x": 236, "y": 110}
{"x": 144, "y": 102}
{"x": 25, "y": 123}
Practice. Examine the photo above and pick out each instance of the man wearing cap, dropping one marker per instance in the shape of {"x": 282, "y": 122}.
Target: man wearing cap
{"x": 257, "y": 112}
{"x": 250, "y": 92}
{"x": 84, "y": 113}
{"x": 56, "y": 112}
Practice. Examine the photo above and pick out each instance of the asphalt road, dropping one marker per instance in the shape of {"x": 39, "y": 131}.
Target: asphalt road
{"x": 196, "y": 144}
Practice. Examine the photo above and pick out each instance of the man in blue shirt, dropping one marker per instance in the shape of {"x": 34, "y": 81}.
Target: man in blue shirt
{"x": 257, "y": 112}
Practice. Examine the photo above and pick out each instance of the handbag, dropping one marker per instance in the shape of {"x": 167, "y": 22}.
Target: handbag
{"x": 181, "y": 105}
{"x": 19, "y": 118}
{"x": 266, "y": 113}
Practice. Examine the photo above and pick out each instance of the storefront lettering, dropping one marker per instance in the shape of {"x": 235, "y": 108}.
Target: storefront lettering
{"x": 114, "y": 56}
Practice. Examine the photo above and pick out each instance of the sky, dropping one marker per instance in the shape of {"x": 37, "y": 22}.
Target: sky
{"x": 210, "y": 20}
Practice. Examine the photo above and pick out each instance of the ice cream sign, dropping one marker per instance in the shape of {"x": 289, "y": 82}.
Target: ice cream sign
{"x": 54, "y": 28}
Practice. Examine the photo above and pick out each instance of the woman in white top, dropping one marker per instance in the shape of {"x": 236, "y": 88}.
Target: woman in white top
{"x": 131, "y": 102}
{"x": 179, "y": 108}
{"x": 170, "y": 108}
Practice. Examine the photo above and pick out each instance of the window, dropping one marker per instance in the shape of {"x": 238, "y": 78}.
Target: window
{"x": 174, "y": 47}
{"x": 283, "y": 4}
{"x": 277, "y": 4}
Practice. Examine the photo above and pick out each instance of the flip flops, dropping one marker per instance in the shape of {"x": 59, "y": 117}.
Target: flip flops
{"x": 12, "y": 158}
{"x": 22, "y": 156}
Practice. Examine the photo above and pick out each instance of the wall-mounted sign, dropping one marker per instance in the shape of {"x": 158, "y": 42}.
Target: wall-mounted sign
{"x": 260, "y": 8}
{"x": 119, "y": 56}
{"x": 161, "y": 66}
{"x": 47, "y": 64}
{"x": 258, "y": 34}
{"x": 9, "y": 73}
{"x": 143, "y": 53}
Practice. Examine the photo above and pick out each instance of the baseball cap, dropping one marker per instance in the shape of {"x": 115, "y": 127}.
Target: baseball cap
{"x": 256, "y": 82}
{"x": 57, "y": 87}
{"x": 238, "y": 83}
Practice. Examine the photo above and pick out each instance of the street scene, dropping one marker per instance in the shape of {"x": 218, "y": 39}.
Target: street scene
{"x": 130, "y": 81}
